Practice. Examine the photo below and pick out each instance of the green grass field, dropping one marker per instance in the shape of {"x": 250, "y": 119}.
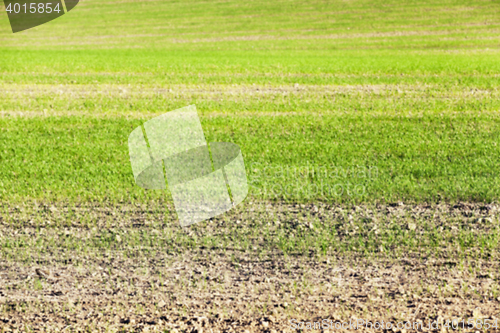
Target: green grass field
{"x": 370, "y": 132}
{"x": 409, "y": 90}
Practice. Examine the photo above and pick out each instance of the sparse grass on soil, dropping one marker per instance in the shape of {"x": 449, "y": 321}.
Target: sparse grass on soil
{"x": 392, "y": 105}
{"x": 132, "y": 268}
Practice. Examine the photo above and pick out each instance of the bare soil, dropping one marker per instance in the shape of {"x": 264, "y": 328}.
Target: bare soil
{"x": 63, "y": 279}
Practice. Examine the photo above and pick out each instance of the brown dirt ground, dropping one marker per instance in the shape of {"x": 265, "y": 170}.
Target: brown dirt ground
{"x": 213, "y": 289}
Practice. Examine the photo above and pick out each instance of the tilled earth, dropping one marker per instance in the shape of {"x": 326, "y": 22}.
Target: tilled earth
{"x": 99, "y": 269}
